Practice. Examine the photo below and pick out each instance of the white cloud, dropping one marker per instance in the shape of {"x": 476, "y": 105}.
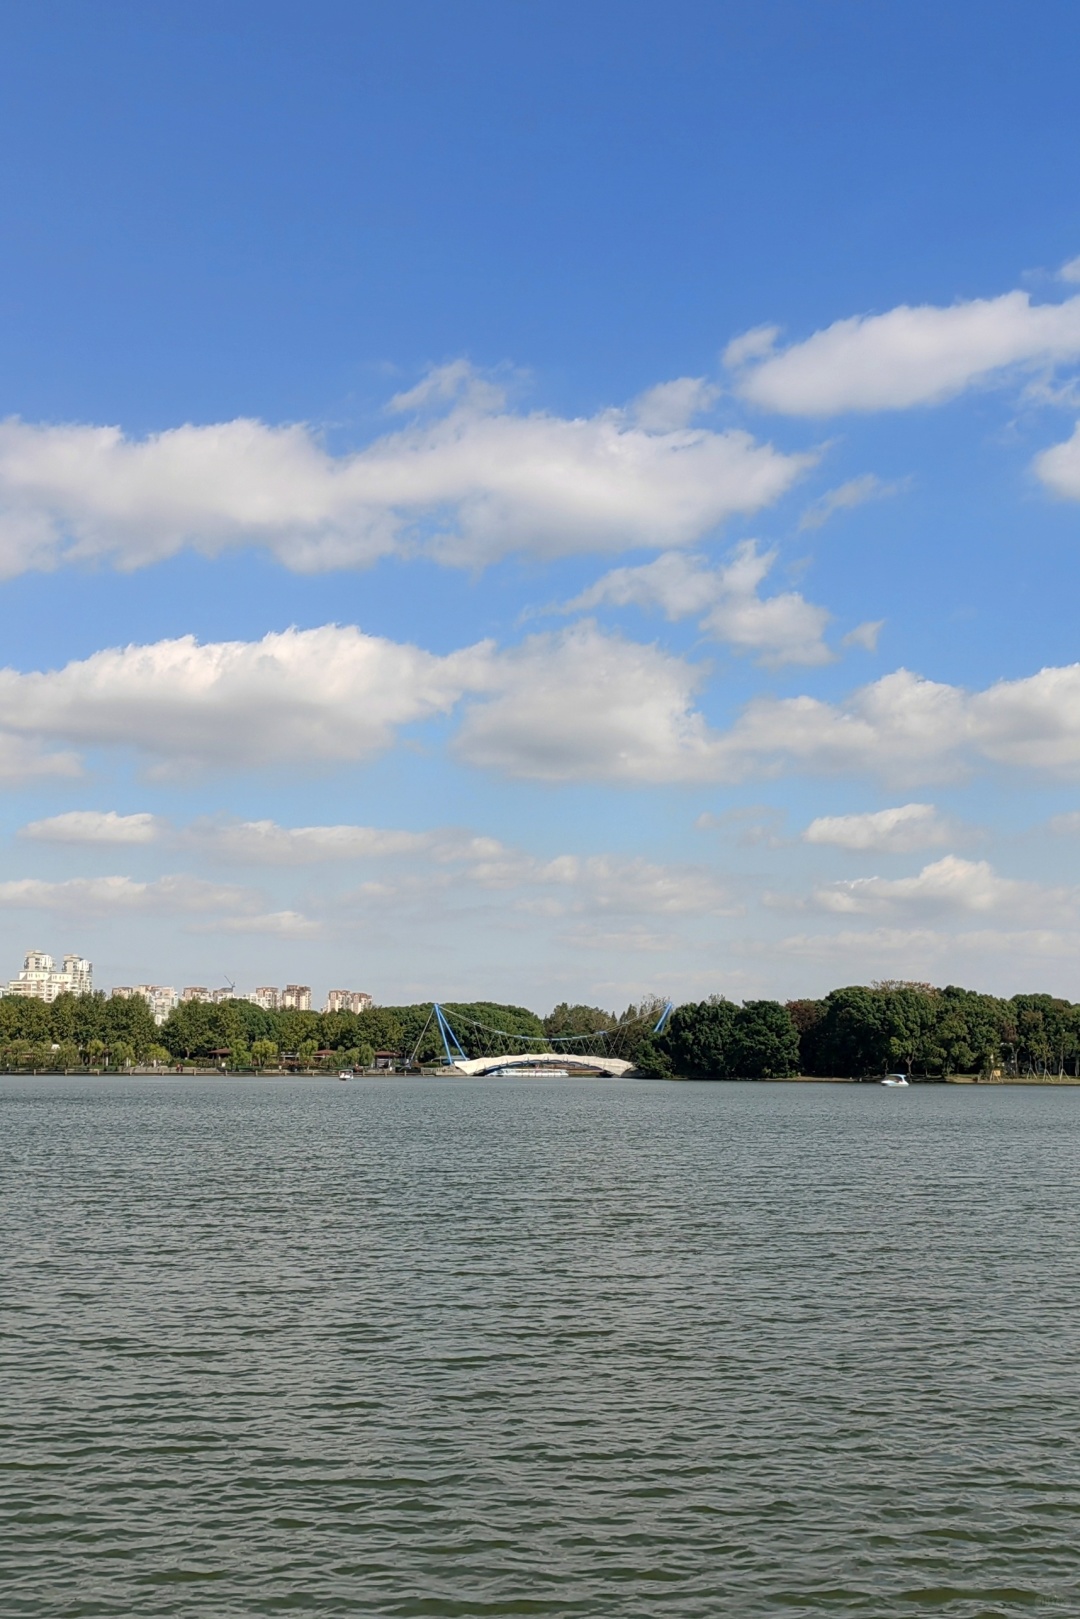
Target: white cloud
{"x": 442, "y": 855}
{"x": 472, "y": 485}
{"x": 856, "y": 492}
{"x": 1070, "y": 271}
{"x": 948, "y": 886}
{"x": 673, "y": 404}
{"x": 325, "y": 694}
{"x": 266, "y": 843}
{"x": 1059, "y": 467}
{"x": 455, "y": 382}
{"x": 96, "y": 826}
{"x": 890, "y": 831}
{"x": 752, "y": 345}
{"x": 604, "y": 884}
{"x": 782, "y": 629}
{"x": 23, "y": 761}
{"x": 582, "y": 705}
{"x": 904, "y": 727}
{"x": 589, "y": 706}
{"x": 575, "y": 705}
{"x": 908, "y": 356}
{"x": 1067, "y": 825}
{"x": 864, "y": 635}
{"x": 107, "y": 896}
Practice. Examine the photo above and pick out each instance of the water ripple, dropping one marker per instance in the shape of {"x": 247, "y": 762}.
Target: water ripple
{"x": 440, "y": 1348}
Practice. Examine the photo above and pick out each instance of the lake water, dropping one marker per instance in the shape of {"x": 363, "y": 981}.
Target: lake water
{"x": 538, "y": 1348}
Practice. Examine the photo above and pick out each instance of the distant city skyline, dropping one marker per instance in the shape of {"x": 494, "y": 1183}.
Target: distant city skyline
{"x": 41, "y": 979}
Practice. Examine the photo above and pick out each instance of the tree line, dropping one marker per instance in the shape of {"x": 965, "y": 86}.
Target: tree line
{"x": 853, "y": 1032}
{"x": 101, "y": 1031}
{"x": 866, "y": 1030}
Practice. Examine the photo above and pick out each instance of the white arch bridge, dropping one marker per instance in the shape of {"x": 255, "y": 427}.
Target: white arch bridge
{"x": 517, "y": 1056}
{"x": 523, "y": 1064}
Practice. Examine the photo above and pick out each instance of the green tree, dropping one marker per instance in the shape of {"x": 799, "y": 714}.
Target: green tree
{"x": 764, "y": 1041}
{"x": 66, "y": 1056}
{"x": 700, "y": 1039}
{"x": 187, "y": 1031}
{"x": 574, "y": 1020}
{"x": 130, "y": 1021}
{"x": 652, "y": 1058}
{"x": 855, "y": 1033}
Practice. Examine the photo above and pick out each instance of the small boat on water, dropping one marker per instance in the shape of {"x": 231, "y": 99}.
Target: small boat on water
{"x": 345, "y": 1074}
{"x": 895, "y": 1081}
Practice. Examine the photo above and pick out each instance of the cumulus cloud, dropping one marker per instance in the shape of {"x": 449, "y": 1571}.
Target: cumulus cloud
{"x": 1059, "y": 467}
{"x": 856, "y": 492}
{"x": 106, "y": 896}
{"x": 266, "y": 843}
{"x": 752, "y": 345}
{"x": 864, "y": 635}
{"x": 325, "y": 694}
{"x": 948, "y": 886}
{"x": 22, "y": 761}
{"x": 673, "y": 404}
{"x": 906, "y": 727}
{"x": 785, "y": 628}
{"x": 588, "y": 706}
{"x": 583, "y": 705}
{"x": 907, "y": 356}
{"x": 96, "y": 826}
{"x": 473, "y": 484}
{"x": 573, "y": 705}
{"x": 889, "y": 831}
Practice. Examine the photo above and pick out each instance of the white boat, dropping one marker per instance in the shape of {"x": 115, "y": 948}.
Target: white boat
{"x": 345, "y": 1074}
{"x": 895, "y": 1080}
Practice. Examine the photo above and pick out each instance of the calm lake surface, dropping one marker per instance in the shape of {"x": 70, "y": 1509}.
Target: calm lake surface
{"x": 538, "y": 1348}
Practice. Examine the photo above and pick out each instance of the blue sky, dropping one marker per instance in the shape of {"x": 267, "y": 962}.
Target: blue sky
{"x": 541, "y": 500}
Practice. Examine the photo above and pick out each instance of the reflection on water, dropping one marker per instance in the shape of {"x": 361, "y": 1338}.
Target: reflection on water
{"x": 537, "y": 1348}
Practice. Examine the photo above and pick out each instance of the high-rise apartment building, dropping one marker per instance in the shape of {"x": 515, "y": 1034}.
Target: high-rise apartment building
{"x": 42, "y": 980}
{"x": 348, "y": 1000}
{"x": 161, "y": 998}
{"x": 295, "y": 998}
{"x": 266, "y": 996}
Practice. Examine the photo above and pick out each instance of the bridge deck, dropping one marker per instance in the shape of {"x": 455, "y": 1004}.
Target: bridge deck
{"x": 610, "y": 1067}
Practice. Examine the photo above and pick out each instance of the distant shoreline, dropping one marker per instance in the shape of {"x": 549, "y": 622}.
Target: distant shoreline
{"x": 193, "y": 1072}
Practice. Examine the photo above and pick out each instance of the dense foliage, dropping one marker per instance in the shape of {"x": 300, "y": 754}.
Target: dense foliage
{"x": 715, "y": 1039}
{"x": 76, "y": 1031}
{"x": 936, "y": 1032}
{"x": 98, "y": 1031}
{"x": 864, "y": 1030}
{"x": 852, "y": 1033}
